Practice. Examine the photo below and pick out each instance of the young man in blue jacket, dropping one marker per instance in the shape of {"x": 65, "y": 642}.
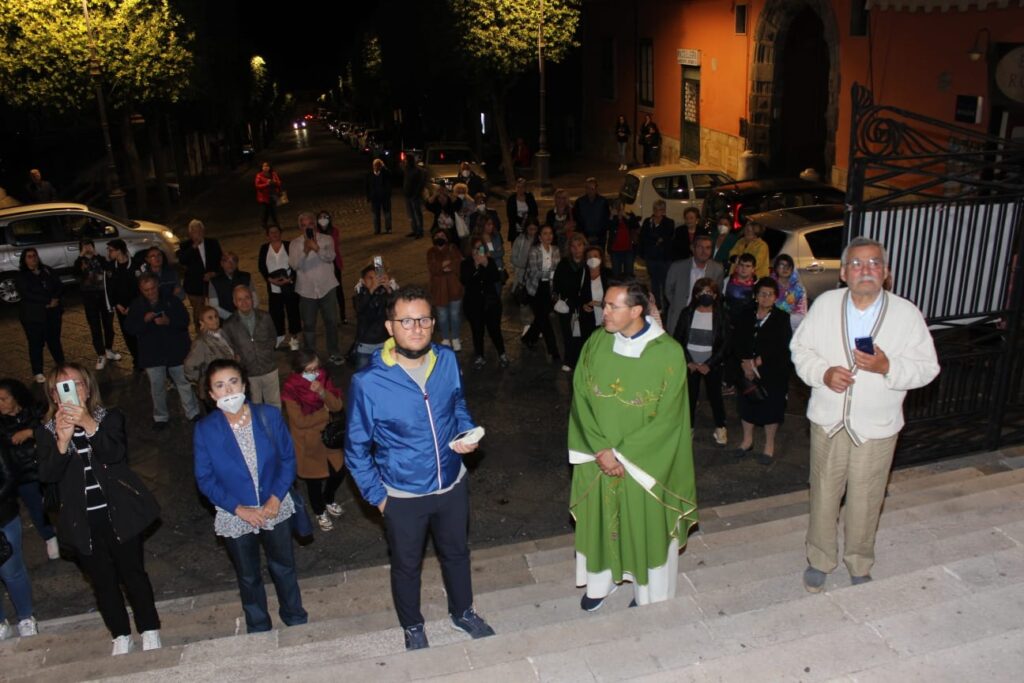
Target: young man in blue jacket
{"x": 404, "y": 409}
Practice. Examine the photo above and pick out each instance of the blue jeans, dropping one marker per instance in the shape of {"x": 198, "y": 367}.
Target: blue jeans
{"x": 449, "y": 319}
{"x": 622, "y": 263}
{"x": 14, "y": 574}
{"x": 158, "y": 390}
{"x": 245, "y": 554}
{"x": 32, "y": 497}
{"x": 622, "y": 153}
{"x": 364, "y": 353}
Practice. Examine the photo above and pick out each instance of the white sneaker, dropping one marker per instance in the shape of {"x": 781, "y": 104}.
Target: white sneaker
{"x": 122, "y": 646}
{"x": 334, "y": 509}
{"x": 456, "y": 345}
{"x": 113, "y": 355}
{"x": 325, "y": 522}
{"x": 151, "y": 640}
{"x": 53, "y": 548}
{"x": 5, "y": 630}
{"x": 101, "y": 362}
{"x": 293, "y": 344}
{"x": 526, "y": 328}
{"x": 280, "y": 339}
{"x": 446, "y": 342}
{"x": 40, "y": 378}
{"x": 721, "y": 436}
{"x": 28, "y": 627}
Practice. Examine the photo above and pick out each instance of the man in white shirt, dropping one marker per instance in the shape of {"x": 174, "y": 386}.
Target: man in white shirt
{"x": 683, "y": 275}
{"x": 311, "y": 256}
{"x": 860, "y": 350}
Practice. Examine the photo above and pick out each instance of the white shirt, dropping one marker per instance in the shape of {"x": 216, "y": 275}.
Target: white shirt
{"x": 276, "y": 261}
{"x": 545, "y": 263}
{"x": 860, "y": 323}
{"x": 696, "y": 273}
{"x": 201, "y": 248}
{"x": 597, "y": 294}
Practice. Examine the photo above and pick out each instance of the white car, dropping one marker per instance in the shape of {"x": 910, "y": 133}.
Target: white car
{"x": 54, "y": 229}
{"x": 680, "y": 186}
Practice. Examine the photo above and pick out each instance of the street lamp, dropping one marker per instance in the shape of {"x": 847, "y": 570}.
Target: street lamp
{"x": 114, "y": 190}
{"x": 542, "y": 158}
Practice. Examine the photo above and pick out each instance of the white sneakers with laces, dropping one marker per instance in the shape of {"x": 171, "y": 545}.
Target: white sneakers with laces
{"x": 456, "y": 345}
{"x": 28, "y": 627}
{"x": 334, "y": 509}
{"x": 325, "y": 522}
{"x": 721, "y": 436}
{"x": 52, "y": 548}
{"x": 101, "y": 362}
{"x": 151, "y": 640}
{"x": 122, "y": 646}
{"x": 113, "y": 355}
{"x": 293, "y": 344}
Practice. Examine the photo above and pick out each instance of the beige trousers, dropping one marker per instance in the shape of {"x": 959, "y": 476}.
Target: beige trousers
{"x": 862, "y": 473}
{"x": 266, "y": 389}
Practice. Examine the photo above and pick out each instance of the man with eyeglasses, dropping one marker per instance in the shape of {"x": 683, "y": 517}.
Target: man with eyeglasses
{"x": 633, "y": 492}
{"x": 860, "y": 349}
{"x": 405, "y": 411}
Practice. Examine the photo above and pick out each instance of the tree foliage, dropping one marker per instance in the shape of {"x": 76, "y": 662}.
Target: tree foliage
{"x": 142, "y": 49}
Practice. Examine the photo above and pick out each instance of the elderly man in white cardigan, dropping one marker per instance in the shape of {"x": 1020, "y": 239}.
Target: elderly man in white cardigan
{"x": 860, "y": 350}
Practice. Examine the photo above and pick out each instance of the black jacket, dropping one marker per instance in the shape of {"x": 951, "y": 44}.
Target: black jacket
{"x": 378, "y": 187}
{"x": 224, "y": 287}
{"x": 770, "y": 341}
{"x": 159, "y": 344}
{"x": 371, "y": 312}
{"x": 512, "y": 213}
{"x": 9, "y": 480}
{"x": 130, "y": 505}
{"x": 23, "y": 455}
{"x": 262, "y": 263}
{"x": 480, "y": 285}
{"x": 122, "y": 284}
{"x": 413, "y": 181}
{"x": 721, "y": 346}
{"x": 37, "y": 290}
{"x": 190, "y": 259}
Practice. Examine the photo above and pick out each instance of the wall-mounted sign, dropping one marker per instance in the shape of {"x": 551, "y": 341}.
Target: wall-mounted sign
{"x": 1010, "y": 74}
{"x": 688, "y": 57}
{"x": 968, "y": 109}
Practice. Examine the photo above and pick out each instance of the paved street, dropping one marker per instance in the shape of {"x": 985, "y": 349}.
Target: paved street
{"x": 519, "y": 478}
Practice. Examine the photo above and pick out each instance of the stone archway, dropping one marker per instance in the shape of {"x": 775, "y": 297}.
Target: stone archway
{"x": 766, "y": 86}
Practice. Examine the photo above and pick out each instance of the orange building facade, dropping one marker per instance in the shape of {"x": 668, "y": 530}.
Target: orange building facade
{"x": 763, "y": 87}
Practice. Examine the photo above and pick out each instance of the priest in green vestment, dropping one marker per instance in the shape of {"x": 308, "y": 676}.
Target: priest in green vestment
{"x": 633, "y": 492}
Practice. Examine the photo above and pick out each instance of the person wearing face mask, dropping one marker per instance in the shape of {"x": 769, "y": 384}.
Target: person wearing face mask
{"x": 704, "y": 333}
{"x": 40, "y": 310}
{"x": 105, "y": 507}
{"x": 725, "y": 239}
{"x": 474, "y": 183}
{"x": 245, "y": 465}
{"x": 91, "y": 271}
{"x": 309, "y": 398}
{"x": 209, "y": 345}
{"x": 465, "y": 207}
{"x": 325, "y": 225}
{"x": 378, "y": 194}
{"x": 594, "y": 286}
{"x": 482, "y": 213}
{"x": 444, "y": 262}
{"x": 568, "y": 286}
{"x": 482, "y": 301}
{"x": 443, "y": 208}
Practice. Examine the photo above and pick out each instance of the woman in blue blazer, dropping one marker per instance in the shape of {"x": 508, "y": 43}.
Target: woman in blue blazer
{"x": 245, "y": 464}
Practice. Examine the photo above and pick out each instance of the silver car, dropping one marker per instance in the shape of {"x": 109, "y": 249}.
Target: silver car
{"x": 813, "y": 236}
{"x": 54, "y": 230}
{"x": 444, "y": 159}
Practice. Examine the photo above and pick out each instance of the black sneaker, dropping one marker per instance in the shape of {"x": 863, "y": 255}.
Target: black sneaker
{"x": 589, "y": 604}
{"x": 416, "y": 638}
{"x": 473, "y": 624}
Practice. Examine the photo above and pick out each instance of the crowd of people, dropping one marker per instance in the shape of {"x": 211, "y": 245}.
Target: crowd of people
{"x": 713, "y": 312}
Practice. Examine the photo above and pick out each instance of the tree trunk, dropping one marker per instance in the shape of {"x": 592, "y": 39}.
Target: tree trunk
{"x": 131, "y": 153}
{"x": 156, "y": 148}
{"x": 506, "y": 147}
{"x": 176, "y": 150}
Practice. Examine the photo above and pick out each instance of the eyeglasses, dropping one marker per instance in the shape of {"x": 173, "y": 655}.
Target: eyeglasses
{"x": 872, "y": 263}
{"x": 422, "y": 323}
{"x": 614, "y": 307}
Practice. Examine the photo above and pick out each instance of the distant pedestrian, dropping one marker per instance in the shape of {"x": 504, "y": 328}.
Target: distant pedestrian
{"x": 623, "y": 234}
{"x": 443, "y": 208}
{"x": 38, "y": 190}
{"x": 650, "y": 140}
{"x": 539, "y": 281}
{"x": 200, "y": 257}
{"x": 655, "y": 247}
{"x": 378, "y": 194}
{"x": 371, "y": 303}
{"x": 280, "y": 278}
{"x": 104, "y": 508}
{"x": 40, "y": 310}
{"x": 621, "y": 140}
{"x": 413, "y": 184}
{"x": 252, "y": 336}
{"x": 222, "y": 285}
{"x": 792, "y": 295}
{"x": 560, "y": 218}
{"x": 245, "y": 465}
{"x": 592, "y": 215}
{"x": 91, "y": 272}
{"x": 483, "y": 213}
{"x": 325, "y": 225}
{"x": 122, "y": 288}
{"x": 311, "y": 256}
{"x": 750, "y": 242}
{"x": 268, "y": 193}
{"x": 481, "y": 301}
{"x": 520, "y": 206}
{"x": 474, "y": 182}
{"x": 686, "y": 234}
{"x": 444, "y": 261}
{"x": 155, "y": 262}
{"x": 568, "y": 287}
{"x": 522, "y": 157}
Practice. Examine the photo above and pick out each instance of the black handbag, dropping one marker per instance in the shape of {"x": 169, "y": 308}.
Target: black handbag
{"x": 752, "y": 389}
{"x": 333, "y": 435}
{"x": 6, "y": 549}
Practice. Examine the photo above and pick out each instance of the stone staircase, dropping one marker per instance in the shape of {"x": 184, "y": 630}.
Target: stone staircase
{"x": 947, "y": 603}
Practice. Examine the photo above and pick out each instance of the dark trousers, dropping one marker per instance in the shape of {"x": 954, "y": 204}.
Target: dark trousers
{"x": 245, "y": 555}
{"x": 46, "y": 333}
{"x": 446, "y": 517}
{"x": 101, "y": 321}
{"x": 269, "y": 214}
{"x": 281, "y": 303}
{"x": 713, "y": 383}
{"x": 657, "y": 271}
{"x": 381, "y": 206}
{"x": 129, "y": 339}
{"x": 321, "y": 491}
{"x": 111, "y": 565}
{"x": 573, "y": 345}
{"x": 622, "y": 263}
{"x": 414, "y": 207}
{"x": 341, "y": 294}
{"x": 540, "y": 303}
{"x": 489, "y": 318}
{"x": 32, "y": 496}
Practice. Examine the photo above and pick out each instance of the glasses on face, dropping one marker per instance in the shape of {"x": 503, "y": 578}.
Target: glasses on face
{"x": 862, "y": 264}
{"x": 608, "y": 304}
{"x": 408, "y": 323}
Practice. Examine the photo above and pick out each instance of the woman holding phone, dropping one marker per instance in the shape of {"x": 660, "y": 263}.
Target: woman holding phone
{"x": 245, "y": 464}
{"x": 105, "y": 508}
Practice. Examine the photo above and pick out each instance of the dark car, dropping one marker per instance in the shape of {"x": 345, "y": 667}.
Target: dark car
{"x": 738, "y": 200}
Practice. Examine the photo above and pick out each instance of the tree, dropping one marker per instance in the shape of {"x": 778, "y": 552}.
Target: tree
{"x": 500, "y": 36}
{"x": 142, "y": 55}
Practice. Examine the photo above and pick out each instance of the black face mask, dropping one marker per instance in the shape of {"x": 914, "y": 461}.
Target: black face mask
{"x": 705, "y": 300}
{"x": 440, "y": 243}
{"x": 412, "y": 355}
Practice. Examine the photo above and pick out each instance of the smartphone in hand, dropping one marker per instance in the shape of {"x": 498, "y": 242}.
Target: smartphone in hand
{"x": 865, "y": 345}
{"x": 309, "y": 234}
{"x": 67, "y": 393}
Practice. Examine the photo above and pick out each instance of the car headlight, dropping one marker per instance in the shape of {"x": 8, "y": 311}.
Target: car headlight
{"x": 168, "y": 235}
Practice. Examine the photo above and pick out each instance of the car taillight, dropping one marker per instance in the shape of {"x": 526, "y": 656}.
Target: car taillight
{"x": 401, "y": 156}
{"x": 736, "y": 225}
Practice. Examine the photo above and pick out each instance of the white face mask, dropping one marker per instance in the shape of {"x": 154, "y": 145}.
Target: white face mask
{"x": 323, "y": 222}
{"x": 481, "y": 208}
{"x": 723, "y": 229}
{"x": 231, "y": 403}
{"x": 461, "y": 195}
{"x": 465, "y": 174}
{"x": 593, "y": 262}
{"x": 309, "y": 376}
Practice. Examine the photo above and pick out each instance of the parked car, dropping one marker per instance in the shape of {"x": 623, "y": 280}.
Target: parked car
{"x": 813, "y": 236}
{"x": 680, "y": 186}
{"x": 738, "y": 200}
{"x": 54, "y": 230}
{"x": 442, "y": 161}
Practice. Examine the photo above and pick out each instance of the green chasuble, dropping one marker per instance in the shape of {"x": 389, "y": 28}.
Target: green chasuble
{"x": 639, "y": 407}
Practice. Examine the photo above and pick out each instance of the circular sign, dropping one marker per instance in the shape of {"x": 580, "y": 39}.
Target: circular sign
{"x": 1010, "y": 74}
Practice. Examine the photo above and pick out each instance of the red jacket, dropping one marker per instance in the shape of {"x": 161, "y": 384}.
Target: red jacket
{"x": 266, "y": 186}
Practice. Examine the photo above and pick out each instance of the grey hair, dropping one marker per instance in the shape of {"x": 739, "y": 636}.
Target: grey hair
{"x": 241, "y": 286}
{"x": 865, "y": 242}
{"x": 196, "y": 223}
{"x": 306, "y": 214}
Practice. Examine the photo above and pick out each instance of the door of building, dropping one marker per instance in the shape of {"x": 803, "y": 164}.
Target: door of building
{"x": 689, "y": 144}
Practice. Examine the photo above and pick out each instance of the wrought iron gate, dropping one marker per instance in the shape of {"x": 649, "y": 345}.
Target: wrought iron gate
{"x": 948, "y": 204}
{"x": 690, "y": 130}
